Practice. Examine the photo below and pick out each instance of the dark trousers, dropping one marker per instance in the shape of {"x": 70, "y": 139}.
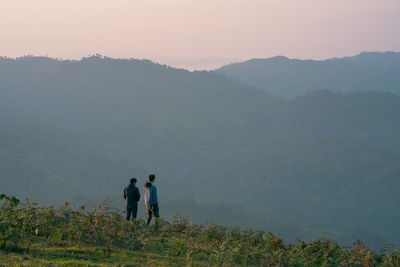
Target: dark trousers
{"x": 131, "y": 210}
{"x": 152, "y": 210}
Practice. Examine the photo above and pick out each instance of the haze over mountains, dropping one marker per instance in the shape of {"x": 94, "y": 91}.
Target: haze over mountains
{"x": 323, "y": 163}
{"x": 368, "y": 71}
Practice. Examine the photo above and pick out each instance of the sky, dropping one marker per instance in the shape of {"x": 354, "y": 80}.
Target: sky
{"x": 198, "y": 34}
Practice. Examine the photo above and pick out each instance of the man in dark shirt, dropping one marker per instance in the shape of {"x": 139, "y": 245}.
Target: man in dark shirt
{"x": 132, "y": 196}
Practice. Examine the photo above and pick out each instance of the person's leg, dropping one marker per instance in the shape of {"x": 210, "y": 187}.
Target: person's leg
{"x": 128, "y": 213}
{"x": 156, "y": 214}
{"x": 156, "y": 211}
{"x": 134, "y": 211}
{"x": 149, "y": 214}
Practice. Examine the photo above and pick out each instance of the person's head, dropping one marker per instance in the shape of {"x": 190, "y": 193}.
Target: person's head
{"x": 152, "y": 178}
{"x": 147, "y": 185}
{"x": 133, "y": 181}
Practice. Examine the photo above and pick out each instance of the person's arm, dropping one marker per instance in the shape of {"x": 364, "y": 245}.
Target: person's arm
{"x": 146, "y": 197}
{"x": 137, "y": 194}
{"x": 155, "y": 199}
{"x": 125, "y": 193}
{"x": 153, "y": 194}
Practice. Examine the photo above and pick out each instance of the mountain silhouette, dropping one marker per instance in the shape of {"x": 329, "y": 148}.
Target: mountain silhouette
{"x": 281, "y": 76}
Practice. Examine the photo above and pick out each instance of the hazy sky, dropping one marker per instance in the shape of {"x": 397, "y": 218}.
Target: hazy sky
{"x": 198, "y": 34}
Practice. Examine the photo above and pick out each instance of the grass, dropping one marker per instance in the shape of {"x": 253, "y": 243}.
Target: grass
{"x": 44, "y": 236}
{"x": 88, "y": 256}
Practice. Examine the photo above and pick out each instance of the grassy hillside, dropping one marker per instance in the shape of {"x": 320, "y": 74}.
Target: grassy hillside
{"x": 44, "y": 236}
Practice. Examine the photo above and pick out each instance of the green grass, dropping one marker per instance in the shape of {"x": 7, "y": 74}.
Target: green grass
{"x": 44, "y": 236}
{"x": 88, "y": 256}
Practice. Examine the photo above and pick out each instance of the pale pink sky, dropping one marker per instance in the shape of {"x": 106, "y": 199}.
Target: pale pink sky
{"x": 198, "y": 34}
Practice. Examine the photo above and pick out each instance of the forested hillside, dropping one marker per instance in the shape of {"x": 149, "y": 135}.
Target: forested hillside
{"x": 281, "y": 76}
{"x": 323, "y": 164}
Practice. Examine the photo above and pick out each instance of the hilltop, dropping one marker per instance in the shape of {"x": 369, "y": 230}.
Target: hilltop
{"x": 42, "y": 236}
{"x": 281, "y": 76}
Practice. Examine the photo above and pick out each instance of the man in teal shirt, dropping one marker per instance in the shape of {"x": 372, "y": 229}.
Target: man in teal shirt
{"x": 152, "y": 201}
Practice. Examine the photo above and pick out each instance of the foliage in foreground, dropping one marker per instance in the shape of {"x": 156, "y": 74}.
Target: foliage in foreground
{"x": 34, "y": 235}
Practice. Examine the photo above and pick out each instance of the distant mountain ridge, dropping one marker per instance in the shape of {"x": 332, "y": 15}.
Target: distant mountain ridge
{"x": 324, "y": 162}
{"x": 281, "y": 76}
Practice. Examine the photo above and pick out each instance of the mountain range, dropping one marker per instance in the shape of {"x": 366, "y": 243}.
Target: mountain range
{"x": 289, "y": 78}
{"x": 322, "y": 163}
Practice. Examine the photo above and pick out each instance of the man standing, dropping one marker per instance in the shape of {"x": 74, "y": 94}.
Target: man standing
{"x": 132, "y": 196}
{"x": 152, "y": 202}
